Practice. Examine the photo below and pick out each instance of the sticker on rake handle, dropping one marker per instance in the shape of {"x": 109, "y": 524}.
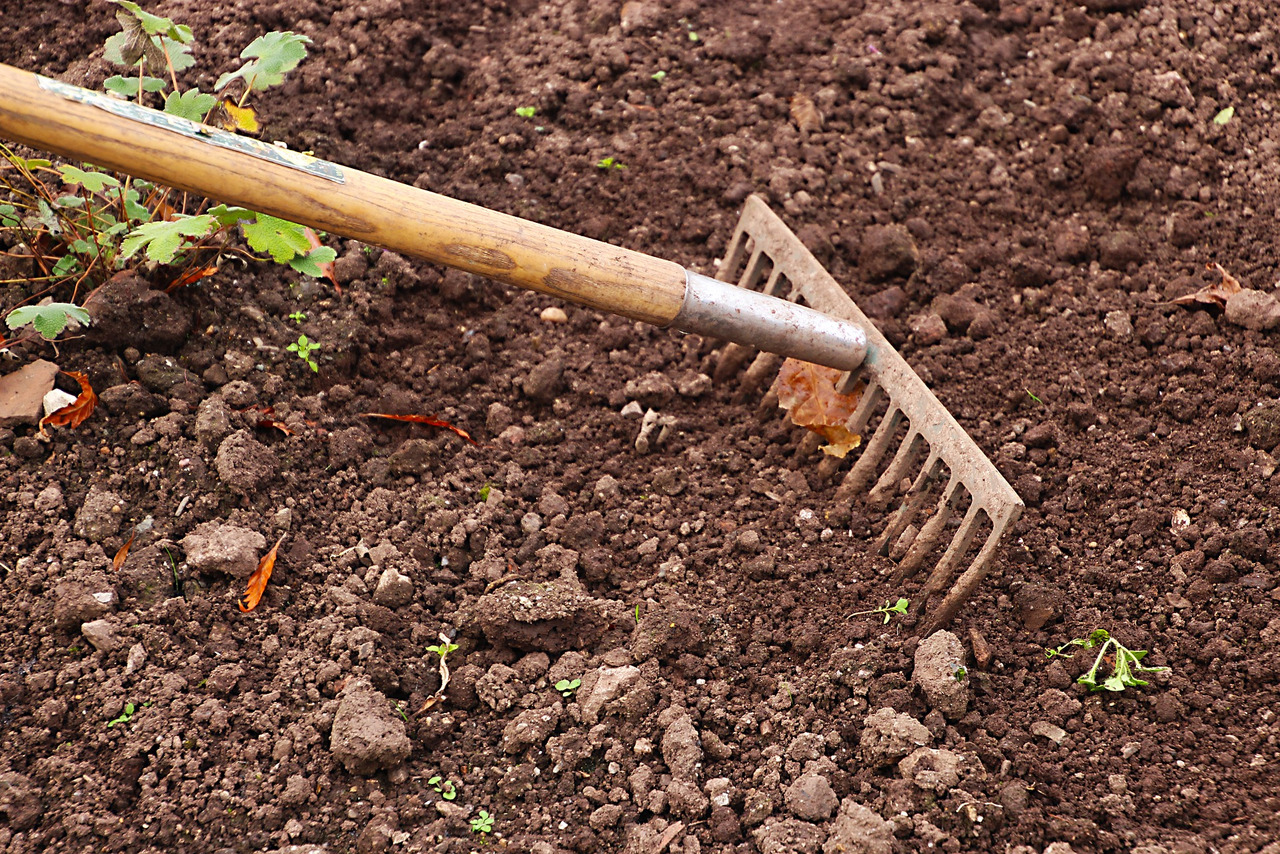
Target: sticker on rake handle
{"x": 196, "y": 130}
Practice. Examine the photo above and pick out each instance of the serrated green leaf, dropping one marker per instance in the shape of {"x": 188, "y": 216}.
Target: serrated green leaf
{"x": 191, "y": 104}
{"x": 94, "y": 182}
{"x": 69, "y": 202}
{"x": 228, "y": 216}
{"x": 180, "y": 58}
{"x": 49, "y": 320}
{"x": 163, "y": 240}
{"x": 281, "y": 239}
{"x": 7, "y": 218}
{"x": 154, "y": 25}
{"x": 132, "y": 208}
{"x": 66, "y": 265}
{"x": 309, "y": 264}
{"x": 271, "y": 57}
{"x": 83, "y": 247}
{"x": 128, "y": 86}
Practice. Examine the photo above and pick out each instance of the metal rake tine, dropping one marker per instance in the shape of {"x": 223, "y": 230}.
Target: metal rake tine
{"x": 858, "y": 477}
{"x": 968, "y": 582}
{"x": 866, "y": 405}
{"x": 930, "y": 533}
{"x": 911, "y": 506}
{"x": 897, "y": 469}
{"x": 960, "y": 543}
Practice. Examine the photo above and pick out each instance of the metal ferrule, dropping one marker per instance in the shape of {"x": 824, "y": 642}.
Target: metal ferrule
{"x": 722, "y": 310}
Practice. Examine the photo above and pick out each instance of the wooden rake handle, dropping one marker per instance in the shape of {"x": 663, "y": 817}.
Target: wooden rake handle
{"x": 119, "y": 135}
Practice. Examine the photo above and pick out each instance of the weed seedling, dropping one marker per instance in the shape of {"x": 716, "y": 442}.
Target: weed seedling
{"x": 298, "y": 316}
{"x": 304, "y": 349}
{"x": 445, "y": 788}
{"x": 125, "y": 717}
{"x": 1033, "y": 397}
{"x": 658, "y": 76}
{"x": 526, "y": 112}
{"x": 482, "y": 823}
{"x": 610, "y": 164}
{"x": 887, "y": 610}
{"x": 442, "y": 649}
{"x": 567, "y": 687}
{"x": 484, "y": 492}
{"x": 399, "y": 707}
{"x": 1123, "y": 662}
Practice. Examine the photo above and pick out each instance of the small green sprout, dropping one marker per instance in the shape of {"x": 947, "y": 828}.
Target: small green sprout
{"x": 960, "y": 673}
{"x": 442, "y": 649}
{"x": 125, "y": 717}
{"x": 1224, "y": 116}
{"x": 482, "y": 823}
{"x": 1033, "y": 397}
{"x": 304, "y": 348}
{"x": 637, "y": 613}
{"x": 567, "y": 687}
{"x": 694, "y": 37}
{"x": 610, "y": 163}
{"x": 399, "y": 707}
{"x": 445, "y": 788}
{"x": 658, "y": 76}
{"x": 298, "y": 316}
{"x": 484, "y": 492}
{"x": 1124, "y": 662}
{"x": 526, "y": 112}
{"x": 887, "y": 610}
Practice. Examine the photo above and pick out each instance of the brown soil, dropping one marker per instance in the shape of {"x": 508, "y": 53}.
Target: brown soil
{"x": 1056, "y": 168}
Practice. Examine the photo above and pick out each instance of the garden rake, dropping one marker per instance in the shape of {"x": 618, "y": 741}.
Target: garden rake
{"x": 783, "y": 302}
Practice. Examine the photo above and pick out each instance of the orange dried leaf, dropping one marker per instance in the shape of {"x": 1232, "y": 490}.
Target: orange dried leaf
{"x": 118, "y": 560}
{"x": 73, "y": 414}
{"x": 424, "y": 419}
{"x": 808, "y": 393}
{"x": 1215, "y": 294}
{"x": 190, "y": 277}
{"x": 326, "y": 267}
{"x": 258, "y": 581}
{"x": 805, "y": 113}
{"x": 239, "y": 118}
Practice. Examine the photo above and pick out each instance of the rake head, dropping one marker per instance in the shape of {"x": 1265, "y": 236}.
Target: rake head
{"x": 949, "y": 475}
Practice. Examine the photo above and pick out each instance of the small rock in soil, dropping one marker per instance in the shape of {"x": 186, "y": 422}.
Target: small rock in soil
{"x": 927, "y": 329}
{"x": 1120, "y": 250}
{"x": 73, "y": 605}
{"x": 530, "y": 728}
{"x": 888, "y": 250}
{"x": 1044, "y": 729}
{"x": 19, "y": 801}
{"x": 230, "y": 549}
{"x": 1037, "y": 605}
{"x": 551, "y": 616}
{"x": 102, "y": 634}
{"x": 1263, "y": 424}
{"x": 1107, "y": 169}
{"x": 499, "y": 687}
{"x": 160, "y": 373}
{"x": 939, "y": 673}
{"x": 244, "y": 463}
{"x": 930, "y": 769}
{"x": 858, "y": 830}
{"x": 133, "y": 400}
{"x": 546, "y": 379}
{"x": 957, "y": 310}
{"x": 681, "y": 748}
{"x": 367, "y": 735}
{"x": 99, "y": 516}
{"x": 1254, "y": 310}
{"x": 652, "y": 390}
{"x": 213, "y": 421}
{"x": 22, "y": 393}
{"x": 553, "y": 314}
{"x": 394, "y": 590}
{"x": 610, "y": 684}
{"x": 811, "y": 798}
{"x": 686, "y": 800}
{"x": 888, "y": 736}
{"x": 1118, "y": 325}
{"x": 792, "y": 836}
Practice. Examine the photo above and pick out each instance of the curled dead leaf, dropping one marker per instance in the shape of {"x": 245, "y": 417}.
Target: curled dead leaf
{"x": 808, "y": 393}
{"x": 258, "y": 581}
{"x": 423, "y": 419}
{"x": 73, "y": 414}
{"x": 1216, "y": 294}
{"x": 805, "y": 113}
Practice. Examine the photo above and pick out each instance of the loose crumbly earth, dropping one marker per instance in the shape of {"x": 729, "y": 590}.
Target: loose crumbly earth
{"x": 1050, "y": 176}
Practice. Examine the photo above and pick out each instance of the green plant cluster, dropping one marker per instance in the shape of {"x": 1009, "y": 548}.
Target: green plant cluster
{"x": 1124, "y": 663}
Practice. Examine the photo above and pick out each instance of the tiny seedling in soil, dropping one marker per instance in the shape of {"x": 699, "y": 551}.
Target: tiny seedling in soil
{"x": 526, "y": 112}
{"x": 482, "y": 823}
{"x": 1033, "y": 397}
{"x": 304, "y": 348}
{"x": 610, "y": 164}
{"x": 399, "y": 707}
{"x": 298, "y": 316}
{"x": 887, "y": 610}
{"x": 125, "y": 717}
{"x": 658, "y": 76}
{"x": 484, "y": 492}
{"x": 960, "y": 673}
{"x": 1123, "y": 662}
{"x": 442, "y": 649}
{"x": 567, "y": 687}
{"x": 445, "y": 788}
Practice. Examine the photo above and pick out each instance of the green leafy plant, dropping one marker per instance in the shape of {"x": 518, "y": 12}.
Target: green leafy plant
{"x": 445, "y": 788}
{"x": 304, "y": 347}
{"x": 610, "y": 164}
{"x": 568, "y": 687}
{"x": 1123, "y": 663}
{"x": 961, "y": 673}
{"x": 49, "y": 320}
{"x": 125, "y": 717}
{"x": 526, "y": 112}
{"x": 298, "y": 316}
{"x": 442, "y": 649}
{"x": 81, "y": 225}
{"x": 482, "y": 823}
{"x": 887, "y": 610}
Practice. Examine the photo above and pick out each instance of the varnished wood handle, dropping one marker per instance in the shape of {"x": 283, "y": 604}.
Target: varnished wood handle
{"x": 188, "y": 156}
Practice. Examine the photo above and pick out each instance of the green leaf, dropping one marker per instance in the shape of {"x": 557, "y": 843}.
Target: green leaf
{"x": 526, "y": 112}
{"x": 191, "y": 104}
{"x": 281, "y": 239}
{"x": 69, "y": 201}
{"x": 1224, "y": 115}
{"x": 7, "y": 218}
{"x": 179, "y": 54}
{"x": 66, "y": 265}
{"x": 309, "y": 264}
{"x": 82, "y": 247}
{"x": 228, "y": 216}
{"x": 92, "y": 181}
{"x": 49, "y": 320}
{"x": 271, "y": 57}
{"x": 154, "y": 25}
{"x": 133, "y": 209}
{"x": 128, "y": 86}
{"x": 163, "y": 240}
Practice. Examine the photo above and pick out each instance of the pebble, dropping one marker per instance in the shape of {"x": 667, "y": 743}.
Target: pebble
{"x": 1254, "y": 310}
{"x": 1119, "y": 325}
{"x": 553, "y": 314}
{"x": 367, "y": 735}
{"x": 888, "y": 736}
{"x": 811, "y": 798}
{"x": 217, "y": 547}
{"x": 394, "y": 590}
{"x": 1053, "y": 732}
{"x": 938, "y": 671}
{"x": 888, "y": 250}
{"x": 99, "y": 516}
{"x": 927, "y": 329}
{"x": 101, "y": 634}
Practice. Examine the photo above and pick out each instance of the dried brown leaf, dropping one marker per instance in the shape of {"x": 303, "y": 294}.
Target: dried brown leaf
{"x": 119, "y": 559}
{"x": 258, "y": 581}
{"x": 808, "y": 393}
{"x": 73, "y": 414}
{"x": 805, "y": 113}
{"x": 1216, "y": 294}
{"x": 423, "y": 419}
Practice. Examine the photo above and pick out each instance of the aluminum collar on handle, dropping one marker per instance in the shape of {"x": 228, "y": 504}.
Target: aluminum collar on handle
{"x": 722, "y": 310}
